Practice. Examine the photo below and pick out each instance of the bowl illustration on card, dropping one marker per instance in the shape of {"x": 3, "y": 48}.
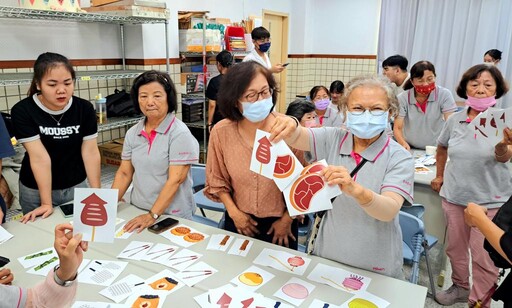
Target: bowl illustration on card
{"x": 251, "y": 279}
{"x": 284, "y": 167}
{"x": 353, "y": 283}
{"x": 146, "y": 301}
{"x": 164, "y": 283}
{"x": 304, "y": 189}
{"x": 295, "y": 290}
{"x": 361, "y": 303}
{"x": 180, "y": 231}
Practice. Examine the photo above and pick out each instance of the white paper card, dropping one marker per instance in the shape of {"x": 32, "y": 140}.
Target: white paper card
{"x": 263, "y": 157}
{"x": 135, "y": 250}
{"x": 37, "y": 258}
{"x": 95, "y": 214}
{"x": 4, "y": 235}
{"x": 102, "y": 272}
{"x": 252, "y": 278}
{"x": 339, "y": 278}
{"x": 283, "y": 261}
{"x": 121, "y": 234}
{"x": 160, "y": 253}
{"x": 241, "y": 247}
{"x": 196, "y": 273}
{"x": 123, "y": 288}
{"x": 183, "y": 259}
{"x": 365, "y": 299}
{"x": 184, "y": 236}
{"x": 286, "y": 167}
{"x": 295, "y": 291}
{"x": 220, "y": 242}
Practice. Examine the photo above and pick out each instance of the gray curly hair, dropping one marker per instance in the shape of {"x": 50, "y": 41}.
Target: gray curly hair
{"x": 371, "y": 81}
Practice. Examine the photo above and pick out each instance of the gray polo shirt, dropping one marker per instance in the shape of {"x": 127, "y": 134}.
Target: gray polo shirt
{"x": 347, "y": 233}
{"x": 332, "y": 117}
{"x": 422, "y": 129}
{"x": 472, "y": 174}
{"x": 170, "y": 144}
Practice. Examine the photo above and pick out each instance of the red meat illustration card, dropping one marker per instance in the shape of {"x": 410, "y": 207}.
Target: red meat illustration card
{"x": 263, "y": 157}
{"x": 309, "y": 193}
{"x": 287, "y": 167}
{"x": 95, "y": 214}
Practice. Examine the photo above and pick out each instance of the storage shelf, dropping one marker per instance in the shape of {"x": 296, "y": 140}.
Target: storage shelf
{"x": 213, "y": 53}
{"x": 117, "y": 122}
{"x": 198, "y": 124}
{"x": 15, "y": 12}
{"x": 193, "y": 95}
{"x": 14, "y": 79}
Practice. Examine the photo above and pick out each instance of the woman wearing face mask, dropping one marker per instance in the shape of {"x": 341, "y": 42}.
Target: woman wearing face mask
{"x": 254, "y": 204}
{"x": 336, "y": 91}
{"x": 424, "y": 107}
{"x": 476, "y": 172}
{"x": 304, "y": 111}
{"x": 325, "y": 110}
{"x": 492, "y": 56}
{"x": 362, "y": 229}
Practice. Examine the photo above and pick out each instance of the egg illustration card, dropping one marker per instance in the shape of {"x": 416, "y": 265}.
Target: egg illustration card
{"x": 252, "y": 278}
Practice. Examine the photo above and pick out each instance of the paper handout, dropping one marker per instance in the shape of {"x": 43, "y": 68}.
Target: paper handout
{"x": 95, "y": 214}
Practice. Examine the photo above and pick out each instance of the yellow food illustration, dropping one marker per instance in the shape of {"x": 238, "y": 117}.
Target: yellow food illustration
{"x": 146, "y": 301}
{"x": 251, "y": 279}
{"x": 165, "y": 283}
{"x": 361, "y": 303}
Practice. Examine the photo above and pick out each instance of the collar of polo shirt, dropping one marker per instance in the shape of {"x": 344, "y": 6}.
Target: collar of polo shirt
{"x": 372, "y": 153}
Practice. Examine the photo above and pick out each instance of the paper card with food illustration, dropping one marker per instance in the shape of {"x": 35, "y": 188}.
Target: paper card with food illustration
{"x": 263, "y": 157}
{"x": 153, "y": 299}
{"x": 86, "y": 304}
{"x": 339, "y": 278}
{"x": 492, "y": 126}
{"x": 135, "y": 250}
{"x": 184, "y": 236}
{"x": 37, "y": 257}
{"x": 283, "y": 261}
{"x": 287, "y": 167}
{"x": 269, "y": 302}
{"x": 484, "y": 128}
{"x": 316, "y": 303}
{"x": 46, "y": 266}
{"x": 97, "y": 214}
{"x": 120, "y": 290}
{"x": 165, "y": 281}
{"x": 295, "y": 291}
{"x": 365, "y": 299}
{"x": 241, "y": 247}
{"x": 159, "y": 253}
{"x": 220, "y": 242}
{"x": 503, "y": 117}
{"x": 196, "y": 273}
{"x": 203, "y": 299}
{"x": 102, "y": 272}
{"x": 309, "y": 193}
{"x": 233, "y": 297}
{"x": 182, "y": 259}
{"x": 421, "y": 169}
{"x": 252, "y": 278}
{"x": 121, "y": 234}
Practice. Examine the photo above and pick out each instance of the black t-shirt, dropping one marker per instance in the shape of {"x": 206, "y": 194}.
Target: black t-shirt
{"x": 211, "y": 93}
{"x": 63, "y": 142}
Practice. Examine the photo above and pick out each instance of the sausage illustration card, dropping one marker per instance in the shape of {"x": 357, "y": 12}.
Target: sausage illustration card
{"x": 263, "y": 157}
{"x": 287, "y": 167}
{"x": 95, "y": 214}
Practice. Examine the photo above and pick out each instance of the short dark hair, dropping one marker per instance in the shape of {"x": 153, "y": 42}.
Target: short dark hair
{"x": 299, "y": 107}
{"x": 235, "y": 82}
{"x": 396, "y": 60}
{"x": 494, "y": 53}
{"x": 225, "y": 58}
{"x": 44, "y": 63}
{"x": 337, "y": 86}
{"x": 475, "y": 71}
{"x": 314, "y": 91}
{"x": 418, "y": 70}
{"x": 155, "y": 76}
{"x": 260, "y": 33}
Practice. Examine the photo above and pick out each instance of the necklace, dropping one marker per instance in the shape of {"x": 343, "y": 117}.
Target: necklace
{"x": 58, "y": 122}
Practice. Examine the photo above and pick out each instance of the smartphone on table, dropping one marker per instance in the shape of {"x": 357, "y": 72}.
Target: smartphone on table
{"x": 4, "y": 261}
{"x": 67, "y": 209}
{"x": 163, "y": 225}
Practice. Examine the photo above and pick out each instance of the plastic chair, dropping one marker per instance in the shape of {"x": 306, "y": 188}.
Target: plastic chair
{"x": 207, "y": 221}
{"x": 199, "y": 180}
{"x": 415, "y": 245}
{"x": 305, "y": 231}
{"x": 415, "y": 209}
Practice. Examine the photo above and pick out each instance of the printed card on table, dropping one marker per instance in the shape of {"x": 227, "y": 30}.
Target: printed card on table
{"x": 159, "y": 253}
{"x": 196, "y": 273}
{"x": 102, "y": 272}
{"x": 120, "y": 290}
{"x": 263, "y": 157}
{"x": 135, "y": 250}
{"x": 38, "y": 257}
{"x": 316, "y": 303}
{"x": 85, "y": 304}
{"x": 295, "y": 291}
{"x": 287, "y": 167}
{"x": 4, "y": 235}
{"x": 283, "y": 261}
{"x": 44, "y": 268}
{"x": 153, "y": 299}
{"x": 183, "y": 259}
{"x": 233, "y": 297}
{"x": 204, "y": 300}
{"x": 164, "y": 282}
{"x": 240, "y": 247}
{"x": 184, "y": 235}
{"x": 365, "y": 299}
{"x": 252, "y": 278}
{"x": 220, "y": 242}
{"x": 95, "y": 214}
{"x": 339, "y": 278}
{"x": 121, "y": 234}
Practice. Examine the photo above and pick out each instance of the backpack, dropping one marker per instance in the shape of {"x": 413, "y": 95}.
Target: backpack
{"x": 502, "y": 219}
{"x": 119, "y": 104}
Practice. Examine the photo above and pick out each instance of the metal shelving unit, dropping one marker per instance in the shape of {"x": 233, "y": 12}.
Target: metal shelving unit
{"x": 117, "y": 122}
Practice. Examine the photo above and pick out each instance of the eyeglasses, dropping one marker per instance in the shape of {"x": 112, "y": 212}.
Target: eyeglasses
{"x": 373, "y": 112}
{"x": 253, "y": 96}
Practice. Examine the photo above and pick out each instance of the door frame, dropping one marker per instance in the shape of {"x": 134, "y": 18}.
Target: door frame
{"x": 281, "y": 103}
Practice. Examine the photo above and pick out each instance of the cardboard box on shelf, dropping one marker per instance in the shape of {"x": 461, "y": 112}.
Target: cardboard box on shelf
{"x": 149, "y": 3}
{"x": 111, "y": 152}
{"x": 131, "y": 11}
{"x": 102, "y": 2}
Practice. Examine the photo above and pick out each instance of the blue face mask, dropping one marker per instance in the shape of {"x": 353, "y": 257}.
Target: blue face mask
{"x": 264, "y": 47}
{"x": 257, "y": 111}
{"x": 366, "y": 125}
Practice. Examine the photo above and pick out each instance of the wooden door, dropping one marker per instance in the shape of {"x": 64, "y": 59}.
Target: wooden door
{"x": 277, "y": 24}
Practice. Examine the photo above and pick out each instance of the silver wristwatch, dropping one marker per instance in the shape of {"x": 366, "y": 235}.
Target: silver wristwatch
{"x": 60, "y": 282}
{"x": 154, "y": 215}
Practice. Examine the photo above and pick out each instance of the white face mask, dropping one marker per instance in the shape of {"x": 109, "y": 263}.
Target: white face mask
{"x": 366, "y": 125}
